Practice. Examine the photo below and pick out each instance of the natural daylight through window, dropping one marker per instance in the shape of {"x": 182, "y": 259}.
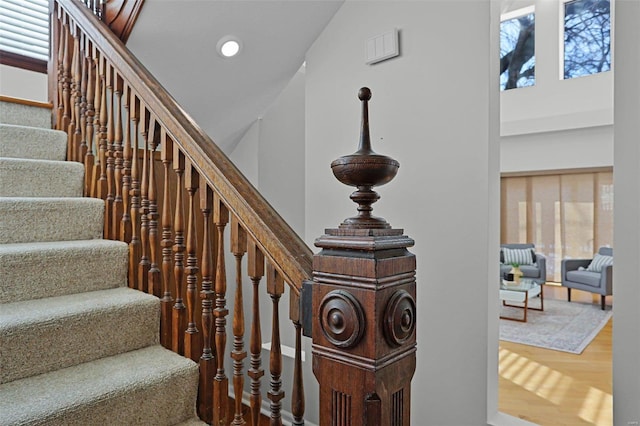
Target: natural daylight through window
{"x": 587, "y": 37}
{"x": 517, "y": 49}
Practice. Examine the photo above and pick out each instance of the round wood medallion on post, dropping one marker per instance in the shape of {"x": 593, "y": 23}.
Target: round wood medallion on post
{"x": 364, "y": 290}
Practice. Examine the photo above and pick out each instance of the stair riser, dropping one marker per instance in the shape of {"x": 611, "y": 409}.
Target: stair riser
{"x": 71, "y": 267}
{"x": 31, "y": 178}
{"x": 55, "y": 219}
{"x": 41, "y": 337}
{"x": 33, "y": 143}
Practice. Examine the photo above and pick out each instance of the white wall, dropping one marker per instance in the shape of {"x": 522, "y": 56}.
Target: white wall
{"x": 566, "y": 149}
{"x": 19, "y": 83}
{"x": 626, "y": 325}
{"x": 568, "y": 121}
{"x": 434, "y": 113}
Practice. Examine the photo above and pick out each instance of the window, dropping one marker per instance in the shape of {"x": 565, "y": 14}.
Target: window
{"x": 24, "y": 32}
{"x": 517, "y": 49}
{"x": 587, "y": 37}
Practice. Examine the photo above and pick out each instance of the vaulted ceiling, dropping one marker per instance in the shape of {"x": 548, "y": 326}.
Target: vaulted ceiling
{"x": 176, "y": 40}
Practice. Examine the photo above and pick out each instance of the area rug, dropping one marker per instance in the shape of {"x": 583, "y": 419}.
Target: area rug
{"x": 563, "y": 326}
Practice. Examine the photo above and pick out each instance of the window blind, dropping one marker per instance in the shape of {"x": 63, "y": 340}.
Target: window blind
{"x": 24, "y": 28}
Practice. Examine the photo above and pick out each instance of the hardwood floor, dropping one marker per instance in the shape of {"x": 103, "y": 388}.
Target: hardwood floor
{"x": 556, "y": 388}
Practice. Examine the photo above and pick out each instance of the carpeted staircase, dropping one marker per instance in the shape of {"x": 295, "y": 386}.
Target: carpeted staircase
{"x": 77, "y": 347}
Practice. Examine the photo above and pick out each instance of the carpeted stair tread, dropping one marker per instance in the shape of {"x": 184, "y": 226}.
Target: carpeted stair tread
{"x": 143, "y": 387}
{"x": 32, "y": 142}
{"x": 40, "y": 178}
{"x": 26, "y": 115}
{"x": 24, "y": 219}
{"x": 70, "y": 267}
{"x": 52, "y": 333}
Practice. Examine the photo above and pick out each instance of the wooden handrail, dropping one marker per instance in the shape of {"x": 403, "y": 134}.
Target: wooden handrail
{"x": 281, "y": 245}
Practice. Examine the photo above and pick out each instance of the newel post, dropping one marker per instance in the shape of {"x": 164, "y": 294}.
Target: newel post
{"x": 364, "y": 310}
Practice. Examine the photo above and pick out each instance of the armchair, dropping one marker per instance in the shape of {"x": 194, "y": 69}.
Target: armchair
{"x": 577, "y": 274}
{"x": 537, "y": 270}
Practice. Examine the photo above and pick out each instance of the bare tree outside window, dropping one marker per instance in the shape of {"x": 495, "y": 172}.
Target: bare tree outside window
{"x": 517, "y": 52}
{"x": 587, "y": 39}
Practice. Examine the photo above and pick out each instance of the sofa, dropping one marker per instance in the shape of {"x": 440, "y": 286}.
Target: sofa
{"x": 593, "y": 275}
{"x": 533, "y": 265}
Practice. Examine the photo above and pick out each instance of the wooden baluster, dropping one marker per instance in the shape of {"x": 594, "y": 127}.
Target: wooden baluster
{"x": 155, "y": 287}
{"x": 220, "y": 381}
{"x": 297, "y": 393}
{"x": 166, "y": 301}
{"x": 97, "y": 102}
{"x": 66, "y": 79}
{"x": 238, "y": 248}
{"x": 75, "y": 98}
{"x": 88, "y": 158}
{"x": 179, "y": 315}
{"x": 118, "y": 164}
{"x": 255, "y": 266}
{"x": 134, "y": 245}
{"x": 77, "y": 78}
{"x": 191, "y": 346}
{"x": 103, "y": 147}
{"x": 143, "y": 266}
{"x": 108, "y": 217}
{"x": 82, "y": 127}
{"x": 207, "y": 360}
{"x": 125, "y": 226}
{"x": 61, "y": 53}
{"x": 275, "y": 288}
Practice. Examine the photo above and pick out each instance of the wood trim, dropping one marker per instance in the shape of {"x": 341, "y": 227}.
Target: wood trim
{"x": 20, "y": 61}
{"x": 280, "y": 244}
{"x": 121, "y": 15}
{"x": 26, "y": 102}
{"x": 557, "y": 172}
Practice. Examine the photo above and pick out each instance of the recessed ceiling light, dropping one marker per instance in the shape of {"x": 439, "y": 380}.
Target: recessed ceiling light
{"x": 228, "y": 46}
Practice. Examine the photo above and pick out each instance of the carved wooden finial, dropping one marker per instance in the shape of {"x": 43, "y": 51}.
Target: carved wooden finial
{"x": 365, "y": 169}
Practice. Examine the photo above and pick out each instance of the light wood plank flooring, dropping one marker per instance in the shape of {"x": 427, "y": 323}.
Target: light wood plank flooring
{"x": 557, "y": 388}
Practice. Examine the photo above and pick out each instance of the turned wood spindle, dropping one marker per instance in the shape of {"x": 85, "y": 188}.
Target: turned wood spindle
{"x": 179, "y": 309}
{"x": 125, "y": 226}
{"x": 110, "y": 155}
{"x": 154, "y": 270}
{"x": 207, "y": 359}
{"x": 167, "y": 242}
{"x": 104, "y": 116}
{"x": 61, "y": 53}
{"x": 238, "y": 354}
{"x": 97, "y": 101}
{"x": 297, "y": 393}
{"x": 84, "y": 76}
{"x": 77, "y": 77}
{"x": 275, "y": 288}
{"x": 191, "y": 348}
{"x": 88, "y": 157}
{"x": 255, "y": 268}
{"x": 134, "y": 245}
{"x": 143, "y": 265}
{"x": 220, "y": 382}
{"x": 118, "y": 165}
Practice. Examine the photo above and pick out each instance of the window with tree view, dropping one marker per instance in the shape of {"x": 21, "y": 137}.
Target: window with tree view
{"x": 517, "y": 52}
{"x": 587, "y": 39}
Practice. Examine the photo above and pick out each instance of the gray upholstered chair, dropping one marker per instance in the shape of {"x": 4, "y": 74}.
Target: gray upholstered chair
{"x": 576, "y": 274}
{"x": 537, "y": 270}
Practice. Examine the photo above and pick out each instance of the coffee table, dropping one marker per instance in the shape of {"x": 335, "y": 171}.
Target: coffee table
{"x": 520, "y": 293}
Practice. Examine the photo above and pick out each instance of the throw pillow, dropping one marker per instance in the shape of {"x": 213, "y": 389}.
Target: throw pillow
{"x": 519, "y": 256}
{"x": 599, "y": 261}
